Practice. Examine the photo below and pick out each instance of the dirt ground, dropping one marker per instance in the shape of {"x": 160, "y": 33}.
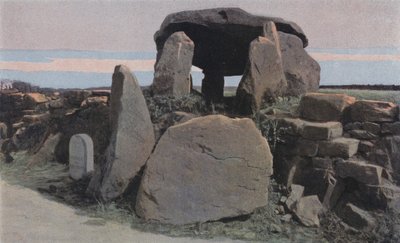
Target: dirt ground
{"x": 27, "y": 216}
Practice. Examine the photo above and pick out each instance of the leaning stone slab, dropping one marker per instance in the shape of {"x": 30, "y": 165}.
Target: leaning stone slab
{"x": 263, "y": 77}
{"x": 362, "y": 134}
{"x": 132, "y": 137}
{"x": 338, "y": 147}
{"x": 46, "y": 152}
{"x": 324, "y": 107}
{"x": 295, "y": 195}
{"x": 374, "y": 111}
{"x": 321, "y": 131}
{"x": 172, "y": 70}
{"x": 200, "y": 171}
{"x": 360, "y": 171}
{"x": 81, "y": 161}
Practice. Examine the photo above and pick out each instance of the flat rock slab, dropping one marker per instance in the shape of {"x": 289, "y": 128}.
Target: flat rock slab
{"x": 321, "y": 130}
{"x": 132, "y": 137}
{"x": 201, "y": 171}
{"x": 324, "y": 107}
{"x": 374, "y": 111}
{"x": 338, "y": 147}
{"x": 362, "y": 172}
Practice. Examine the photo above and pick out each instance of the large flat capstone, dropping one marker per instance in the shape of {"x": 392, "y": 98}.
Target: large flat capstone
{"x": 205, "y": 169}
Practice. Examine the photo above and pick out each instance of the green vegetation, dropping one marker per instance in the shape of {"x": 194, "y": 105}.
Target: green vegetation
{"x": 384, "y": 95}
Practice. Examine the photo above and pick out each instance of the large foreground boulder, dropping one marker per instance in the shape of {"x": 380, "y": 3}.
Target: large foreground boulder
{"x": 172, "y": 70}
{"x": 132, "y": 137}
{"x": 200, "y": 171}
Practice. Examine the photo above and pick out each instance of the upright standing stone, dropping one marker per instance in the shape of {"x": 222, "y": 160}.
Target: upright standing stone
{"x": 172, "y": 70}
{"x": 81, "y": 160}
{"x": 302, "y": 72}
{"x": 263, "y": 77}
{"x": 132, "y": 137}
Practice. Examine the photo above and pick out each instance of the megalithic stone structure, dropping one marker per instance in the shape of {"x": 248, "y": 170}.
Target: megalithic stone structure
{"x": 132, "y": 137}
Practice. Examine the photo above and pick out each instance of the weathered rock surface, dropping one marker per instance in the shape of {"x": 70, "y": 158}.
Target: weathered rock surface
{"x": 46, "y": 152}
{"x": 301, "y": 70}
{"x": 263, "y": 77}
{"x": 199, "y": 171}
{"x": 172, "y": 70}
{"x": 307, "y": 210}
{"x": 3, "y": 131}
{"x": 338, "y": 147}
{"x": 391, "y": 128}
{"x": 324, "y": 107}
{"x": 357, "y": 218}
{"x": 362, "y": 172}
{"x": 132, "y": 137}
{"x": 170, "y": 119}
{"x": 295, "y": 195}
{"x": 374, "y": 111}
{"x": 216, "y": 32}
{"x": 321, "y": 131}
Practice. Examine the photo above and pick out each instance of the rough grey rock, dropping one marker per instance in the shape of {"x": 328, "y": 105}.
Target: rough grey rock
{"x": 3, "y": 131}
{"x": 307, "y": 210}
{"x": 374, "y": 111}
{"x": 357, "y": 218}
{"x": 170, "y": 119}
{"x": 46, "y": 152}
{"x": 360, "y": 171}
{"x": 172, "y": 70}
{"x": 391, "y": 128}
{"x": 338, "y": 147}
{"x": 295, "y": 195}
{"x": 372, "y": 127}
{"x": 199, "y": 171}
{"x": 321, "y": 131}
{"x": 132, "y": 137}
{"x": 301, "y": 70}
{"x": 306, "y": 147}
{"x": 263, "y": 77}
{"x": 324, "y": 107}
{"x": 362, "y": 134}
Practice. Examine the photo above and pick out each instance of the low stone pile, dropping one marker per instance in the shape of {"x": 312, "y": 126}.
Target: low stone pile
{"x": 344, "y": 151}
{"x": 43, "y": 122}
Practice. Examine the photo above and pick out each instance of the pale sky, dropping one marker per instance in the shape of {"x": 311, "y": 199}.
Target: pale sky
{"x": 130, "y": 25}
